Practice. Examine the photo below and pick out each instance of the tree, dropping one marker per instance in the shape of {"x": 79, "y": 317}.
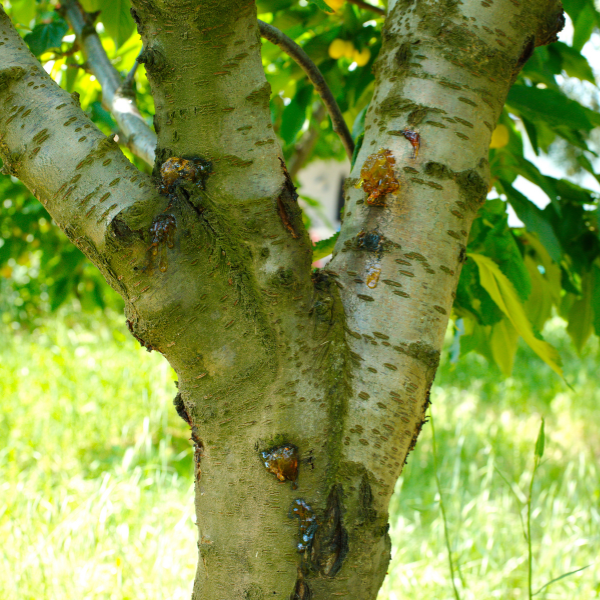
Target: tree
{"x": 305, "y": 389}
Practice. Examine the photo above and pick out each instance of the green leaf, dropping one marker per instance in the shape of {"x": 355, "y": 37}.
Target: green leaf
{"x": 531, "y": 134}
{"x": 572, "y": 62}
{"x": 324, "y": 248}
{"x": 567, "y": 190}
{"x": 535, "y": 219}
{"x": 23, "y": 11}
{"x": 322, "y": 5}
{"x": 574, "y": 7}
{"x": 585, "y": 163}
{"x": 549, "y": 106}
{"x": 584, "y": 26}
{"x": 505, "y": 296}
{"x": 539, "y": 304}
{"x": 503, "y": 344}
{"x": 46, "y": 36}
{"x": 559, "y": 578}
{"x": 99, "y": 114}
{"x": 581, "y": 315}
{"x": 357, "y": 148}
{"x": 541, "y": 441}
{"x": 472, "y": 298}
{"x": 117, "y": 19}
{"x": 59, "y": 291}
{"x": 358, "y": 128}
{"x": 528, "y": 170}
{"x": 500, "y": 245}
{"x": 552, "y": 271}
{"x": 294, "y": 114}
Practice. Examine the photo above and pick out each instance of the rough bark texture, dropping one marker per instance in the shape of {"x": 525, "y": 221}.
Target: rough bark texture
{"x": 330, "y": 371}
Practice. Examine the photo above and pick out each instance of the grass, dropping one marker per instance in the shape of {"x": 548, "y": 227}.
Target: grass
{"x": 96, "y": 496}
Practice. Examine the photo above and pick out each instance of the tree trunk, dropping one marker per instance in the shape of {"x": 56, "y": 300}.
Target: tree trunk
{"x": 305, "y": 391}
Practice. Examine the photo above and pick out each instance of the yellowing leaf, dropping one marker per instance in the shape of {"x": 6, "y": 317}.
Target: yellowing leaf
{"x": 539, "y": 304}
{"x": 503, "y": 343}
{"x": 551, "y": 270}
{"x": 505, "y": 296}
{"x": 499, "y": 137}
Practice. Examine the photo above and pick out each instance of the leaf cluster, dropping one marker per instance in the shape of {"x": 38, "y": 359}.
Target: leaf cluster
{"x": 553, "y": 261}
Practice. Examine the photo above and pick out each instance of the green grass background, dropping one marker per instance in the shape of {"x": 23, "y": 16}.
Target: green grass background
{"x": 96, "y": 489}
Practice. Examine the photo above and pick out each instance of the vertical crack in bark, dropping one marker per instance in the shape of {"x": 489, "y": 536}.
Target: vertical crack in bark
{"x": 330, "y": 545}
{"x": 301, "y": 589}
{"x": 366, "y": 512}
{"x": 287, "y": 206}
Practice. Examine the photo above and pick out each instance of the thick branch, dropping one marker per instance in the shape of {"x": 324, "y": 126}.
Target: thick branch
{"x": 139, "y": 138}
{"x": 315, "y": 77}
{"x": 417, "y": 183}
{"x": 49, "y": 143}
{"x": 118, "y": 99}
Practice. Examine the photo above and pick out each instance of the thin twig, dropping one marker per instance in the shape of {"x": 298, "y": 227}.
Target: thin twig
{"x": 138, "y": 136}
{"x": 315, "y": 77}
{"x": 442, "y": 508}
{"x": 367, "y": 6}
{"x": 128, "y": 83}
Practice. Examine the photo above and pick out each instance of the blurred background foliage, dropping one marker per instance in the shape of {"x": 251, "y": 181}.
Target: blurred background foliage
{"x": 552, "y": 261}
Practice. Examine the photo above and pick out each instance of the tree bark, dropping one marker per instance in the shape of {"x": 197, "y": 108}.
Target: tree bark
{"x": 280, "y": 366}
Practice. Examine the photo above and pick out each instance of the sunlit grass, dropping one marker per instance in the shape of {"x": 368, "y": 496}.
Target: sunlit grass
{"x": 96, "y": 498}
{"x": 485, "y": 424}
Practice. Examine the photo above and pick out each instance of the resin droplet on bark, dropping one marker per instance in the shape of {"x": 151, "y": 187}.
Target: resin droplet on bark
{"x": 163, "y": 237}
{"x": 283, "y": 463}
{"x": 373, "y": 273}
{"x": 415, "y": 141}
{"x": 377, "y": 177}
{"x": 308, "y": 523}
{"x": 178, "y": 170}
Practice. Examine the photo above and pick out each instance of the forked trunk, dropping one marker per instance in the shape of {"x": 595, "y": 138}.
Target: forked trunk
{"x": 304, "y": 391}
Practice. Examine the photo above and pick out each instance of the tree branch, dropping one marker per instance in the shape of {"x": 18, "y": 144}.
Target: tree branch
{"x": 128, "y": 83}
{"x": 367, "y": 6}
{"x": 315, "y": 77}
{"x": 139, "y": 138}
{"x": 49, "y": 143}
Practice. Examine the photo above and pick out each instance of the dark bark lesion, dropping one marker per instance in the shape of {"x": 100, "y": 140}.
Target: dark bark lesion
{"x": 330, "y": 545}
{"x": 301, "y": 590}
{"x": 367, "y": 514}
{"x": 287, "y": 206}
{"x": 143, "y": 343}
{"x": 181, "y": 409}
